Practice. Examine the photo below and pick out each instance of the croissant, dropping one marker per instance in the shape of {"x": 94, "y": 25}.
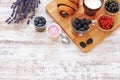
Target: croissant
{"x": 67, "y": 7}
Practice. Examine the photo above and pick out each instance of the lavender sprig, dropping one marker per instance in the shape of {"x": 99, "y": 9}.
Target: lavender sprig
{"x": 23, "y": 9}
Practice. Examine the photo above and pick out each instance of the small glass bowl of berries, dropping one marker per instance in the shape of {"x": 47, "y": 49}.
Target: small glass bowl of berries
{"x": 112, "y": 7}
{"x": 106, "y": 23}
{"x": 40, "y": 23}
{"x": 81, "y": 24}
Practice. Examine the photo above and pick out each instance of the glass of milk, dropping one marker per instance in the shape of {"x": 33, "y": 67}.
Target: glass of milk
{"x": 92, "y": 6}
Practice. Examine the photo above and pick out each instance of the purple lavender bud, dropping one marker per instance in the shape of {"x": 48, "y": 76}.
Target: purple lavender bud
{"x": 9, "y": 22}
{"x": 28, "y": 21}
{"x": 8, "y": 19}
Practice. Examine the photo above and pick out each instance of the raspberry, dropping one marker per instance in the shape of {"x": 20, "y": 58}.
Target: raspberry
{"x": 106, "y": 22}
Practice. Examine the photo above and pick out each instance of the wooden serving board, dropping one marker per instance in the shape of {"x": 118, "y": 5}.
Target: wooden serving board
{"x": 95, "y": 32}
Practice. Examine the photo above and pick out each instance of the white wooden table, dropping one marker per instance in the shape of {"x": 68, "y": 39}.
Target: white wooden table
{"x": 29, "y": 55}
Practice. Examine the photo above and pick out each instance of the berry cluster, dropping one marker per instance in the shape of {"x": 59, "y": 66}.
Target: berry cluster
{"x": 81, "y": 24}
{"x": 106, "y": 22}
{"x": 112, "y": 6}
{"x": 39, "y": 21}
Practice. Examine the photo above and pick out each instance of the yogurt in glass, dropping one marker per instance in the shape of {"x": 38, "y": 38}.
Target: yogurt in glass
{"x": 53, "y": 31}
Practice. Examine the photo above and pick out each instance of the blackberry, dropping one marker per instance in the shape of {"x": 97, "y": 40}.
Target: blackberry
{"x": 77, "y": 21}
{"x": 86, "y": 27}
{"x": 87, "y": 22}
{"x": 89, "y": 41}
{"x": 74, "y": 24}
{"x": 79, "y": 25}
{"x": 82, "y": 44}
{"x": 82, "y": 21}
{"x": 82, "y": 29}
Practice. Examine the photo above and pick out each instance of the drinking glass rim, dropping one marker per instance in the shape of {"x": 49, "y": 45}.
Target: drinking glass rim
{"x": 96, "y": 8}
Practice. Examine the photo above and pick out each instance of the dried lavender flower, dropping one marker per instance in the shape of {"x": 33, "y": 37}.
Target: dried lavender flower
{"x": 23, "y": 9}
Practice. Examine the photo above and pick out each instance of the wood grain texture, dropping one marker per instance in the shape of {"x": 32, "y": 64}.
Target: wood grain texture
{"x": 95, "y": 32}
{"x": 29, "y": 55}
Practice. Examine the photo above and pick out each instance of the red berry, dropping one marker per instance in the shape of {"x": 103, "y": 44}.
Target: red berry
{"x": 106, "y": 22}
